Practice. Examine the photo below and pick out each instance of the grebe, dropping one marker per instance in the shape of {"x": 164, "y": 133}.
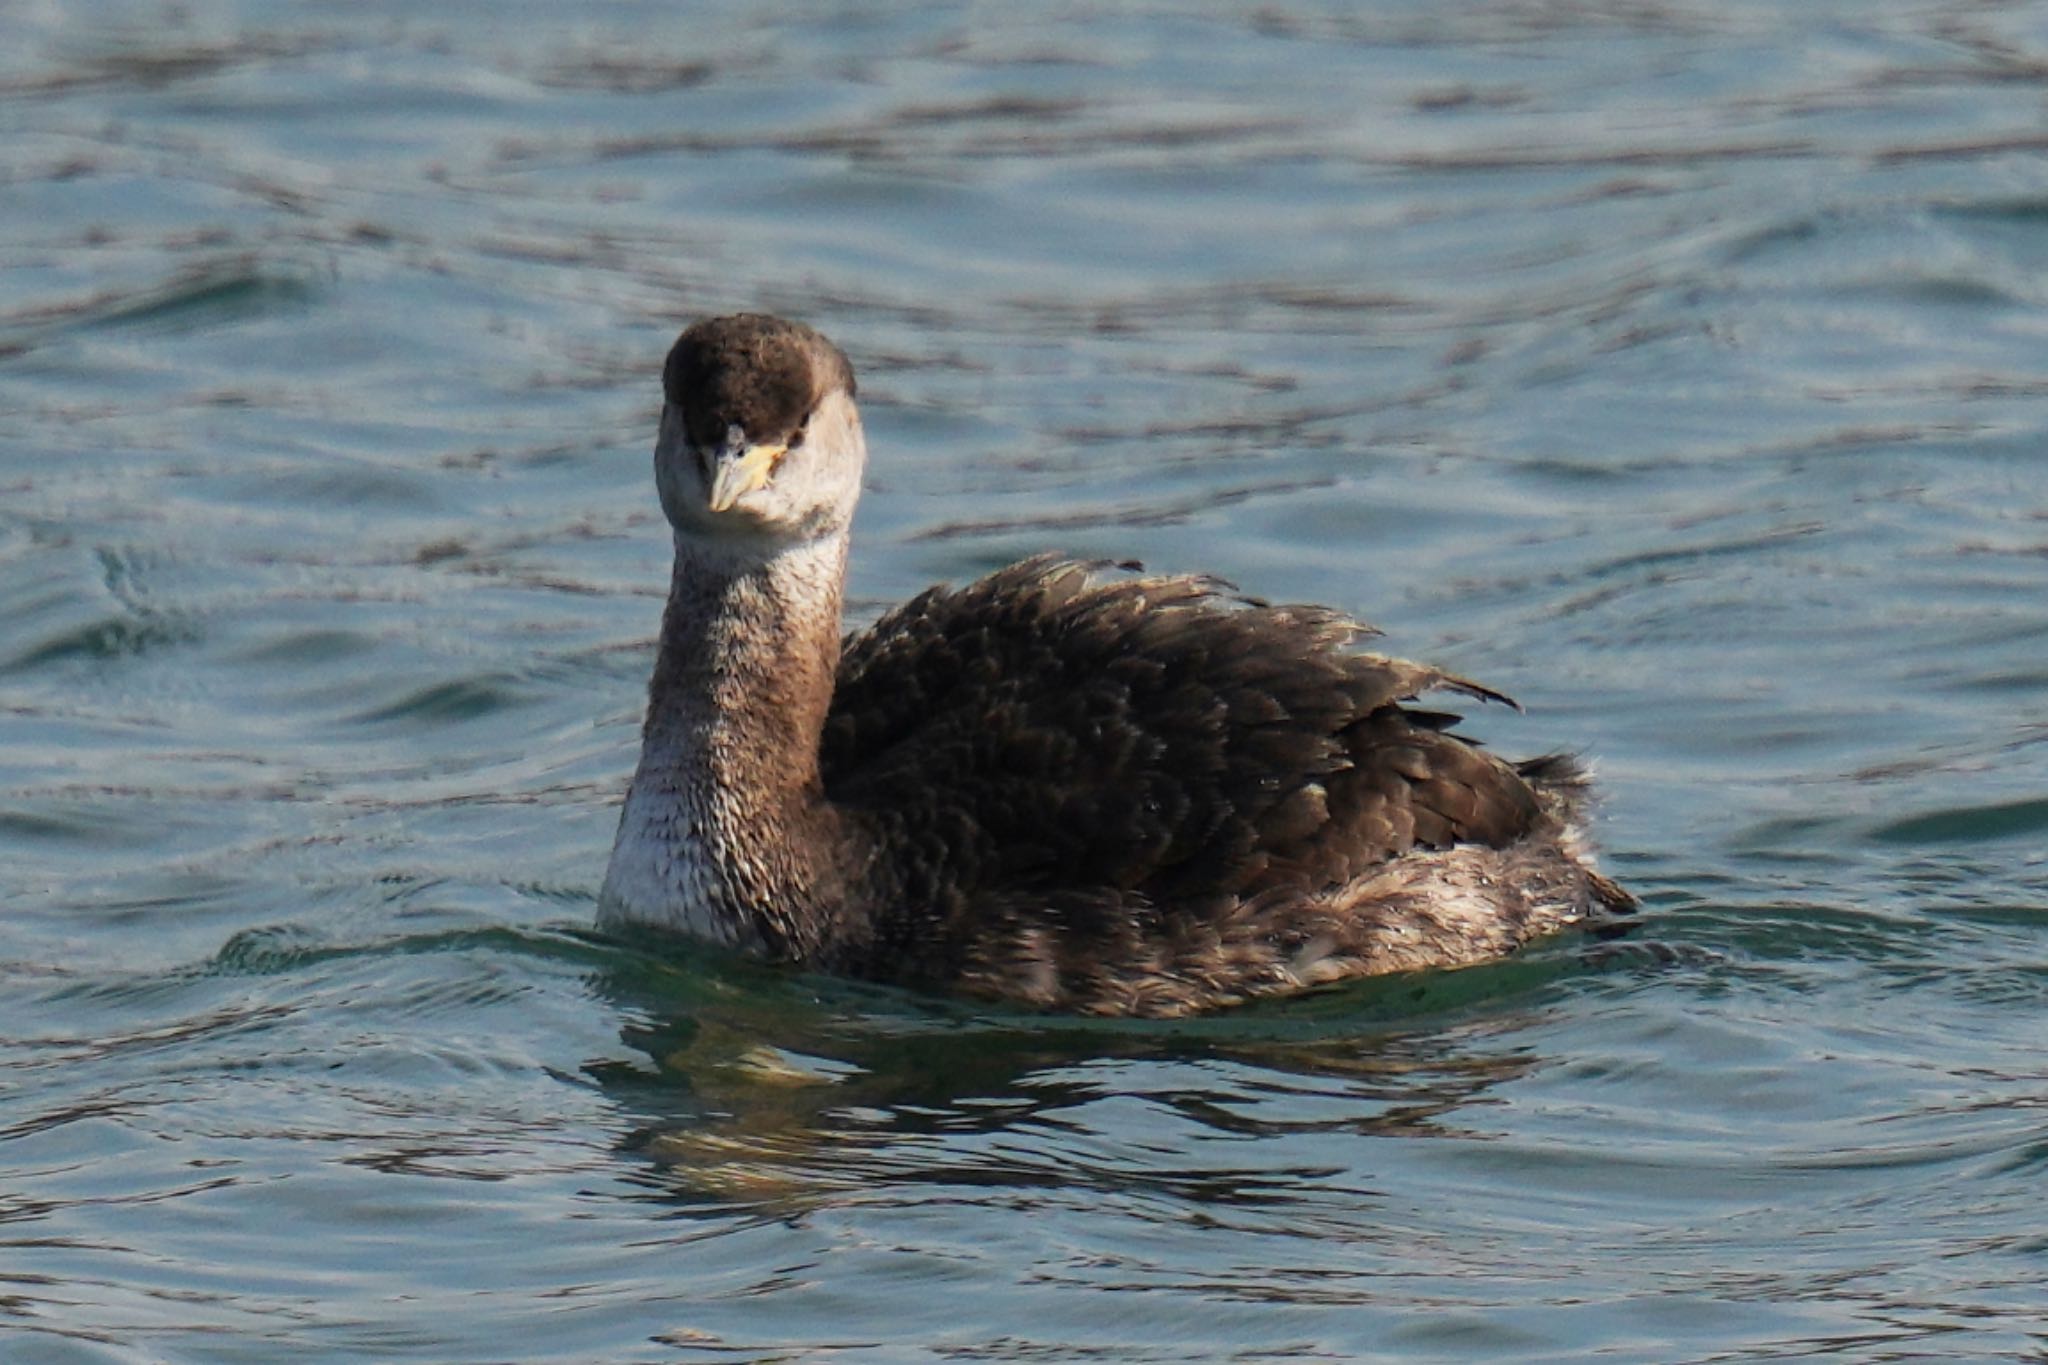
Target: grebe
{"x": 1063, "y": 786}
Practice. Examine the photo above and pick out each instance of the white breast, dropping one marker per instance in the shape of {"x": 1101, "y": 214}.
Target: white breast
{"x": 664, "y": 874}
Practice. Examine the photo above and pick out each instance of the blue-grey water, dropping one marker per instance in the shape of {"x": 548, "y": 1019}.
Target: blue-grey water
{"x": 1680, "y": 367}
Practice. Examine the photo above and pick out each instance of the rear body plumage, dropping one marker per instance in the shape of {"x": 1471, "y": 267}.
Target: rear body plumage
{"x": 1117, "y": 794}
{"x": 1061, "y": 786}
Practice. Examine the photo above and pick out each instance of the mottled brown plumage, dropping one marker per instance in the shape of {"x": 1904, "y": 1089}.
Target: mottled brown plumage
{"x": 1148, "y": 795}
{"x": 1063, "y": 786}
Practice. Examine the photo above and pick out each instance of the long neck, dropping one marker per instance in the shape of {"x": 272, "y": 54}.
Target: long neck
{"x": 726, "y": 833}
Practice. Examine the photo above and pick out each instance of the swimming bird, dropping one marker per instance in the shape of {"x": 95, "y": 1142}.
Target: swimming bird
{"x": 1067, "y": 786}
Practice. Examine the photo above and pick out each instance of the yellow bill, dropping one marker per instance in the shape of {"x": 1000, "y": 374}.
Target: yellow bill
{"x": 739, "y": 473}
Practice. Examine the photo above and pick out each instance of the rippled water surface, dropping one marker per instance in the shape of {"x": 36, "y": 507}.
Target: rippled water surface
{"x": 1678, "y": 367}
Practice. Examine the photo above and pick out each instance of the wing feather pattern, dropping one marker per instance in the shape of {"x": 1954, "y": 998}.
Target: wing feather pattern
{"x": 1103, "y": 755}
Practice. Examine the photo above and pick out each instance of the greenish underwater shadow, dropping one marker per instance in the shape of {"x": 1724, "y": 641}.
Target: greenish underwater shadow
{"x": 761, "y": 1085}
{"x": 751, "y": 1086}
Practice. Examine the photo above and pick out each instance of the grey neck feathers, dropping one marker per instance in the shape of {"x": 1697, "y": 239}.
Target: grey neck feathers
{"x": 726, "y": 833}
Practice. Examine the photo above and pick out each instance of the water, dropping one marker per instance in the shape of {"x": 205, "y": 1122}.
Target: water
{"x": 1677, "y": 367}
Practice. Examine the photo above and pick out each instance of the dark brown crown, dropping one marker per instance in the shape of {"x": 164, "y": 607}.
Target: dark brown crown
{"x": 762, "y": 374}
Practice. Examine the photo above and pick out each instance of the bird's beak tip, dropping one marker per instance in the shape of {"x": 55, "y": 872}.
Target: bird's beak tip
{"x": 738, "y": 473}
